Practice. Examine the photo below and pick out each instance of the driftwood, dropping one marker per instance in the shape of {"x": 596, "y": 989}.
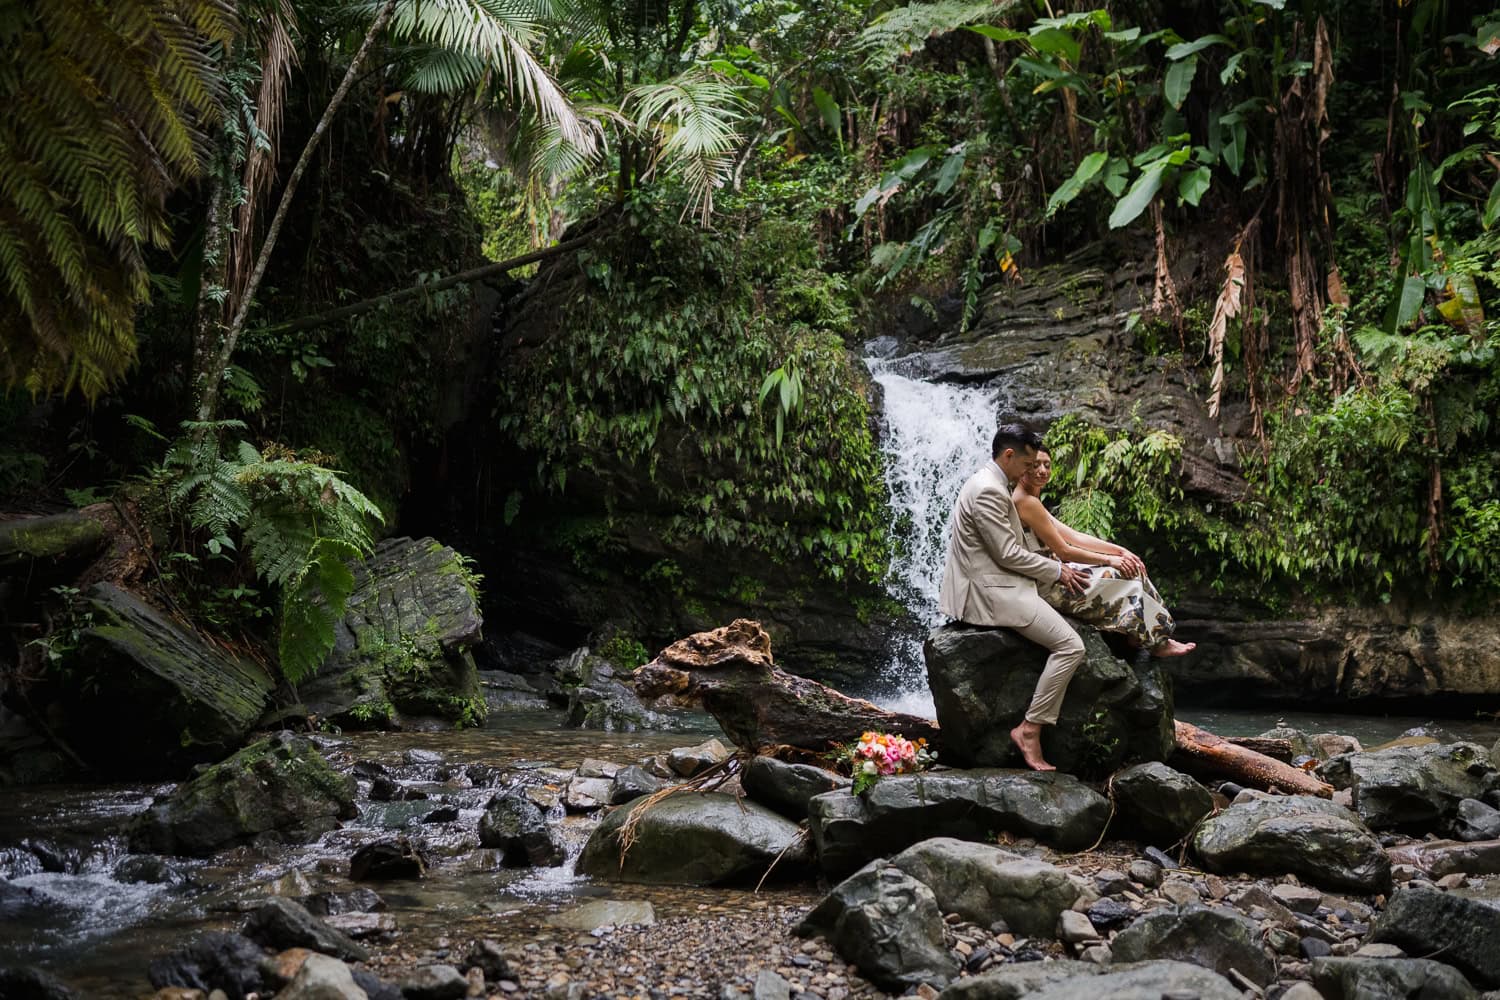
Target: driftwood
{"x": 1268, "y": 745}
{"x": 1207, "y": 755}
{"x": 730, "y": 672}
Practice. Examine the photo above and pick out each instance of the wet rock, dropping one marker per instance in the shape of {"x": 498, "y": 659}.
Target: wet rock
{"x": 1429, "y": 922}
{"x": 598, "y": 698}
{"x": 694, "y": 838}
{"x": 280, "y": 784}
{"x": 508, "y": 692}
{"x": 770, "y": 986}
{"x": 1310, "y": 837}
{"x": 631, "y": 783}
{"x": 1154, "y": 980}
{"x": 788, "y": 788}
{"x": 442, "y": 814}
{"x": 689, "y": 762}
{"x": 212, "y": 961}
{"x": 435, "y": 982}
{"x": 888, "y": 925}
{"x": 1388, "y": 979}
{"x": 983, "y": 679}
{"x": 1159, "y": 804}
{"x": 387, "y": 860}
{"x": 148, "y": 869}
{"x": 1111, "y": 914}
{"x": 983, "y": 884}
{"x": 849, "y": 831}
{"x": 1474, "y": 820}
{"x": 375, "y": 988}
{"x": 587, "y": 794}
{"x": 604, "y": 913}
{"x": 360, "y": 926}
{"x": 404, "y": 645}
{"x": 1016, "y": 982}
{"x": 515, "y": 825}
{"x": 25, "y": 982}
{"x": 327, "y": 904}
{"x": 18, "y": 902}
{"x": 281, "y": 923}
{"x": 322, "y": 978}
{"x": 1413, "y": 788}
{"x": 1445, "y": 857}
{"x": 1212, "y": 938}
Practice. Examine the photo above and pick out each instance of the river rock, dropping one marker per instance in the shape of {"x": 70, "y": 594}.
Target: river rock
{"x": 850, "y": 830}
{"x": 136, "y": 869}
{"x": 182, "y": 699}
{"x": 1021, "y": 980}
{"x": 585, "y": 794}
{"x": 689, "y": 762}
{"x": 1474, "y": 820}
{"x": 1209, "y": 937}
{"x": 598, "y": 698}
{"x": 1413, "y": 788}
{"x": 27, "y": 982}
{"x": 983, "y": 884}
{"x": 404, "y": 645}
{"x": 388, "y": 860}
{"x": 631, "y": 783}
{"x": 1303, "y": 835}
{"x": 1446, "y": 857}
{"x": 328, "y": 904}
{"x": 434, "y": 982}
{"x": 1159, "y": 804}
{"x": 888, "y": 925}
{"x": 1425, "y": 921}
{"x": 1153, "y": 980}
{"x": 322, "y": 978}
{"x": 280, "y": 784}
{"x": 514, "y": 825}
{"x": 787, "y": 788}
{"x": 282, "y": 923}
{"x": 211, "y": 961}
{"x": 694, "y": 838}
{"x": 983, "y": 679}
{"x": 1388, "y": 979}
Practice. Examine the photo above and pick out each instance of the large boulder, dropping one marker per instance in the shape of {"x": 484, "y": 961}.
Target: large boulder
{"x": 983, "y": 884}
{"x": 150, "y": 696}
{"x": 1463, "y": 931}
{"x": 1388, "y": 979}
{"x": 788, "y": 788}
{"x": 983, "y": 679}
{"x": 887, "y": 924}
{"x": 851, "y": 830}
{"x": 280, "y": 785}
{"x": 1217, "y": 939}
{"x": 598, "y": 698}
{"x": 1303, "y": 835}
{"x": 1413, "y": 788}
{"x": 693, "y": 838}
{"x": 1160, "y": 805}
{"x": 403, "y": 647}
{"x": 517, "y": 827}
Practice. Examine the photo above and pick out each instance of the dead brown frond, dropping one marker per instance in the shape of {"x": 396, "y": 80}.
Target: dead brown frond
{"x": 707, "y": 781}
{"x": 1164, "y": 298}
{"x": 1226, "y": 309}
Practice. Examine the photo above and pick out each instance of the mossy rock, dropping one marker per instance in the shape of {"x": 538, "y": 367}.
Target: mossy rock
{"x": 72, "y": 534}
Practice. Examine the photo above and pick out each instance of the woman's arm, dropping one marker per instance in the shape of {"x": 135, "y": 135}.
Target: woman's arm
{"x": 1052, "y": 533}
{"x": 1129, "y": 563}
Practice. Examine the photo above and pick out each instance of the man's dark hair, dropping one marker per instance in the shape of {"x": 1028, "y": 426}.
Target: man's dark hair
{"x": 1017, "y": 436}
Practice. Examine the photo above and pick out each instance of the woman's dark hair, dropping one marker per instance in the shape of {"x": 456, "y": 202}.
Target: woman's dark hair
{"x": 1017, "y": 436}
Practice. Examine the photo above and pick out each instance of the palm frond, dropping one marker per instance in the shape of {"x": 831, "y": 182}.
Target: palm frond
{"x": 904, "y": 30}
{"x": 693, "y": 119}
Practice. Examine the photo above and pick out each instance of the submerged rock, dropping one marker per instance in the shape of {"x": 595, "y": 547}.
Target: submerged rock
{"x": 1161, "y": 805}
{"x": 1212, "y": 938}
{"x": 604, "y": 913}
{"x": 983, "y": 679}
{"x": 1413, "y": 788}
{"x": 279, "y": 785}
{"x": 694, "y": 838}
{"x": 1304, "y": 835}
{"x": 1463, "y": 931}
{"x": 888, "y": 924}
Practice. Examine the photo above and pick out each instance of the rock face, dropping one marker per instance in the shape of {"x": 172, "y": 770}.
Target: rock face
{"x": 1159, "y": 804}
{"x": 1417, "y": 789}
{"x": 1307, "y": 836}
{"x": 186, "y": 700}
{"x": 983, "y": 679}
{"x": 851, "y": 830}
{"x": 403, "y": 647}
{"x": 1211, "y": 938}
{"x": 788, "y": 788}
{"x": 280, "y": 785}
{"x": 1368, "y": 978}
{"x": 1426, "y": 921}
{"x": 888, "y": 924}
{"x": 515, "y": 825}
{"x": 983, "y": 884}
{"x": 694, "y": 838}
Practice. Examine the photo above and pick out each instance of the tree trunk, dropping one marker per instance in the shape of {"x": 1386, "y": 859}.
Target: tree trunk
{"x": 1203, "y": 754}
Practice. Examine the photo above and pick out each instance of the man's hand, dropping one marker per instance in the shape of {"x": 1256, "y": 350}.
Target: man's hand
{"x": 1073, "y": 581}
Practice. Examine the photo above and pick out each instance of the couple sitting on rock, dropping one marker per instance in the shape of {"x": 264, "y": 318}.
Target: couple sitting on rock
{"x": 1011, "y": 563}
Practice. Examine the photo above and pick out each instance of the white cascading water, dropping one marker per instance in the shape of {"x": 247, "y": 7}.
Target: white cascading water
{"x": 936, "y": 435}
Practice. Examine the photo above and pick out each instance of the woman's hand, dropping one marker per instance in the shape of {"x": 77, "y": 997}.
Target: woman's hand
{"x": 1133, "y": 566}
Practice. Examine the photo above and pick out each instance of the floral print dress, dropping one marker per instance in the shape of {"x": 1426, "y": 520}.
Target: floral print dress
{"x": 1110, "y": 602}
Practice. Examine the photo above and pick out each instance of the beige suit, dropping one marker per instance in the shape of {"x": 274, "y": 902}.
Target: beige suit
{"x": 990, "y": 578}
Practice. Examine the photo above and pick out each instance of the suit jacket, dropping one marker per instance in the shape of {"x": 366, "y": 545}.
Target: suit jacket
{"x": 990, "y": 577}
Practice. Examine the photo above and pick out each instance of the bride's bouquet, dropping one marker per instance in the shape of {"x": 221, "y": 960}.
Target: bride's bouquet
{"x": 875, "y": 755}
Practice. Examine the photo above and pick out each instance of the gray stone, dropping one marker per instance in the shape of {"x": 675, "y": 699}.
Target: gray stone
{"x": 360, "y": 926}
{"x": 689, "y": 762}
{"x": 280, "y": 785}
{"x": 280, "y": 923}
{"x": 983, "y": 884}
{"x": 404, "y": 646}
{"x": 1147, "y": 873}
{"x": 1302, "y": 991}
{"x": 1413, "y": 788}
{"x": 888, "y": 925}
{"x": 1298, "y": 898}
{"x": 1388, "y": 979}
{"x": 598, "y": 698}
{"x": 1212, "y": 938}
{"x": 1152, "y": 980}
{"x": 1073, "y": 927}
{"x": 982, "y": 681}
{"x": 631, "y": 783}
{"x": 516, "y": 826}
{"x": 1111, "y": 914}
{"x": 1474, "y": 820}
{"x": 388, "y": 860}
{"x": 695, "y": 838}
{"x": 322, "y": 978}
{"x": 1158, "y": 804}
{"x": 1429, "y": 922}
{"x": 1180, "y": 893}
{"x": 770, "y": 986}
{"x": 1318, "y": 841}
{"x": 788, "y": 788}
{"x": 1327, "y": 745}
{"x": 594, "y": 768}
{"x": 1021, "y": 980}
{"x": 604, "y": 913}
{"x": 587, "y": 794}
{"x": 434, "y": 982}
{"x": 849, "y": 831}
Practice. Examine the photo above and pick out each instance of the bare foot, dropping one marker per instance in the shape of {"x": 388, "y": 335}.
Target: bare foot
{"x": 1173, "y": 648}
{"x": 1030, "y": 745}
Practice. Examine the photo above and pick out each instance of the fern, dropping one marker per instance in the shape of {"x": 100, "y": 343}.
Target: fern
{"x": 312, "y": 603}
{"x": 904, "y": 30}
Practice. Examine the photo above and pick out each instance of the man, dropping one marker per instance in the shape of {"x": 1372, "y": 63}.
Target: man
{"x": 990, "y": 578}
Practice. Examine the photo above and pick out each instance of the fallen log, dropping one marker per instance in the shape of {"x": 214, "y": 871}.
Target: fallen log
{"x": 1270, "y": 746}
{"x": 1203, "y": 754}
{"x": 730, "y": 672}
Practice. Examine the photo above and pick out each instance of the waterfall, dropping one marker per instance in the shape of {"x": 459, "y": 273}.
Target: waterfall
{"x": 936, "y": 435}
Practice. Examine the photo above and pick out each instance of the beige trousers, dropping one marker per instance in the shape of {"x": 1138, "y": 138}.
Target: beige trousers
{"x": 1051, "y": 631}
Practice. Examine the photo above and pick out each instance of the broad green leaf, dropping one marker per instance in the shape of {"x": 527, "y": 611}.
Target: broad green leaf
{"x": 1037, "y": 67}
{"x": 1491, "y": 207}
{"x": 1192, "y": 185}
{"x": 1124, "y": 35}
{"x": 829, "y": 109}
{"x": 1056, "y": 42}
{"x": 1234, "y": 147}
{"x": 998, "y": 34}
{"x": 1129, "y": 208}
{"x": 1231, "y": 68}
{"x": 1487, "y": 38}
{"x": 948, "y": 173}
{"x": 1184, "y": 49}
{"x": 1413, "y": 292}
{"x": 1179, "y": 80}
{"x": 1115, "y": 174}
{"x": 1098, "y": 18}
{"x": 1073, "y": 185}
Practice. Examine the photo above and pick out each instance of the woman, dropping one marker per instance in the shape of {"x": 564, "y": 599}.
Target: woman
{"x": 1119, "y": 597}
